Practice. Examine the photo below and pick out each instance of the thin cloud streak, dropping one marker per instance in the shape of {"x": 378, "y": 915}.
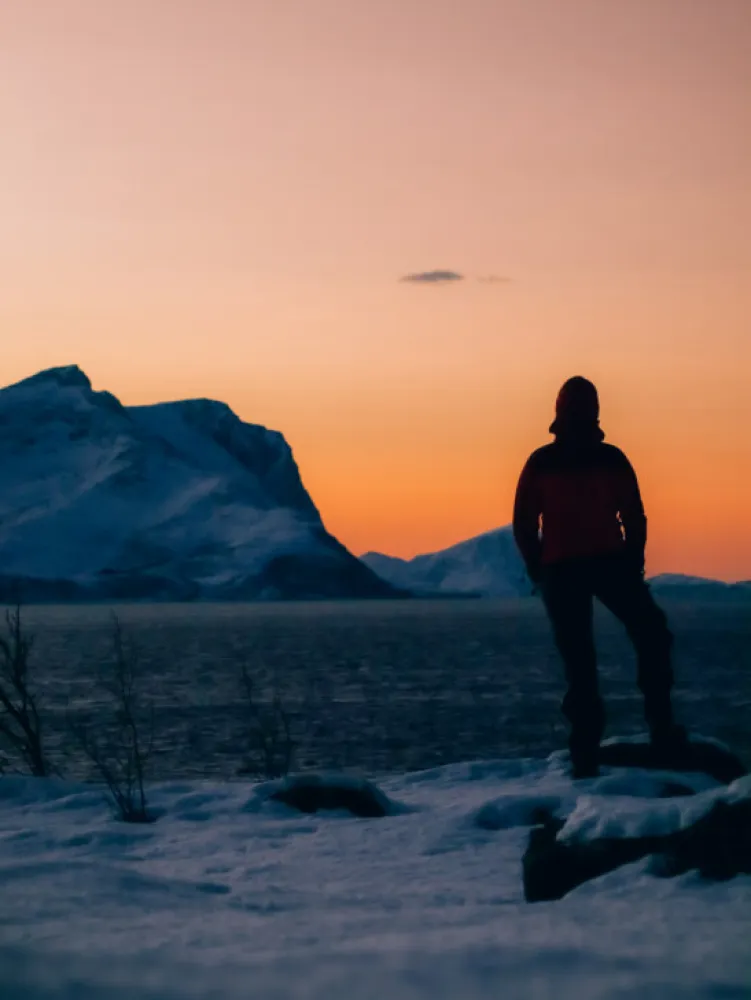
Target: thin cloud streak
{"x": 432, "y": 277}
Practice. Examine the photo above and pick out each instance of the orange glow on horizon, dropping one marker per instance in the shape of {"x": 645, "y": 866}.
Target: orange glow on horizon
{"x": 219, "y": 199}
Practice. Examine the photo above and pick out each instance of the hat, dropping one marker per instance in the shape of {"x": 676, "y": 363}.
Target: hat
{"x": 577, "y": 405}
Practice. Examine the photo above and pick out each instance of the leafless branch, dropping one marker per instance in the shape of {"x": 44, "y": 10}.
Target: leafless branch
{"x": 120, "y": 747}
{"x": 268, "y": 733}
{"x": 20, "y": 722}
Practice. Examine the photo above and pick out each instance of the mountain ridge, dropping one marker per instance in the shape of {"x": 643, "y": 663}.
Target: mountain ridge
{"x": 176, "y": 500}
{"x": 488, "y": 565}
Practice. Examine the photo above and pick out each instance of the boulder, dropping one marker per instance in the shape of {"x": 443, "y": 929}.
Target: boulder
{"x": 718, "y": 846}
{"x": 310, "y": 793}
{"x": 551, "y": 868}
{"x": 696, "y": 754}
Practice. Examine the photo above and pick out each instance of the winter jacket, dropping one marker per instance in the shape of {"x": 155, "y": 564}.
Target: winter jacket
{"x": 578, "y": 497}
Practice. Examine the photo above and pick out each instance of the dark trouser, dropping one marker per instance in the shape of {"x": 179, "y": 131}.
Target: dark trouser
{"x": 568, "y": 590}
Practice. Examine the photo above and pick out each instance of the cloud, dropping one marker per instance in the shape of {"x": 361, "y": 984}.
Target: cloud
{"x": 494, "y": 279}
{"x": 433, "y": 277}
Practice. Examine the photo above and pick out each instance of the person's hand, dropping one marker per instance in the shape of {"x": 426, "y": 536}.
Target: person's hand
{"x": 636, "y": 561}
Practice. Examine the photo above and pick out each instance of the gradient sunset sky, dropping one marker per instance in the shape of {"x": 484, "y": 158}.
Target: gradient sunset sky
{"x": 219, "y": 197}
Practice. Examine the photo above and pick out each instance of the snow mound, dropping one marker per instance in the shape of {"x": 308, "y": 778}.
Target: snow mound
{"x": 310, "y": 793}
{"x": 510, "y": 811}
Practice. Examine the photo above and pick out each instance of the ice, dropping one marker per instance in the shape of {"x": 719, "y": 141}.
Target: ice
{"x": 231, "y": 895}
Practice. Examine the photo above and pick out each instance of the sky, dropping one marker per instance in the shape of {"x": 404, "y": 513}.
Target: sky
{"x": 219, "y": 198}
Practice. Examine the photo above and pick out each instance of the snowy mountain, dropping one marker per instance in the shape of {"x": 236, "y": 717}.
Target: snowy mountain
{"x": 488, "y": 565}
{"x": 678, "y": 585}
{"x": 176, "y": 500}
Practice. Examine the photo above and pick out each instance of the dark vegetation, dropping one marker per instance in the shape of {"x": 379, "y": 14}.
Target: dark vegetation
{"x": 21, "y": 735}
{"x": 118, "y": 741}
{"x": 267, "y": 731}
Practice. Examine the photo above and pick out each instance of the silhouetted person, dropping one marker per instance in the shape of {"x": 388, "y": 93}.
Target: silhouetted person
{"x": 579, "y": 524}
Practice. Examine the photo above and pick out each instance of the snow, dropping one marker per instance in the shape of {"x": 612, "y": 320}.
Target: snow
{"x": 231, "y": 895}
{"x": 627, "y": 816}
{"x": 487, "y": 565}
{"x": 184, "y": 494}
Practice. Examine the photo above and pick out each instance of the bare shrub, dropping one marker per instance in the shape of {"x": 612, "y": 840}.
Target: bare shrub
{"x": 20, "y": 721}
{"x": 268, "y": 735}
{"x": 120, "y": 744}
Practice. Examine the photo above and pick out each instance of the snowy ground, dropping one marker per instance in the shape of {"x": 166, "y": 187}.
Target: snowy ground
{"x": 228, "y": 895}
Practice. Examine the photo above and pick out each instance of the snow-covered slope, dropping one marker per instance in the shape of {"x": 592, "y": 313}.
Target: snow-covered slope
{"x": 229, "y": 895}
{"x": 179, "y": 499}
{"x": 488, "y": 565}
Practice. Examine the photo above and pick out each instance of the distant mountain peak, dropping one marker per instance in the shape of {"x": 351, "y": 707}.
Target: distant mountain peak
{"x": 487, "y": 565}
{"x": 63, "y": 375}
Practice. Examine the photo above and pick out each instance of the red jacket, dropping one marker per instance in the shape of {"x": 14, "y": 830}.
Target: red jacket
{"x": 577, "y": 499}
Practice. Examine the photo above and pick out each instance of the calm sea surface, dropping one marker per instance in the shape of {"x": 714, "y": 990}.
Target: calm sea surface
{"x": 372, "y": 686}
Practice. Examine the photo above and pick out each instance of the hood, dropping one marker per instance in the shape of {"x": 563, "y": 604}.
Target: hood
{"x": 577, "y": 412}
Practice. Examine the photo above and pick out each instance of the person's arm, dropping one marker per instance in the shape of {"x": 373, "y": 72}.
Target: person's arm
{"x": 633, "y": 518}
{"x": 526, "y": 524}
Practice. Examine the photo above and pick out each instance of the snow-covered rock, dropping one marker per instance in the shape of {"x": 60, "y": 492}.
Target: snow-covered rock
{"x": 175, "y": 500}
{"x": 488, "y": 565}
{"x": 310, "y": 793}
{"x": 697, "y": 754}
{"x": 687, "y": 817}
{"x": 709, "y": 833}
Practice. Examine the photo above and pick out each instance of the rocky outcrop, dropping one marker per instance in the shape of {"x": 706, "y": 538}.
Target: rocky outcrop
{"x": 717, "y": 843}
{"x": 718, "y": 846}
{"x": 697, "y": 754}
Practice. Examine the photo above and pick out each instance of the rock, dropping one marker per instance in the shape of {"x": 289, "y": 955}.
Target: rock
{"x": 674, "y": 790}
{"x": 696, "y": 754}
{"x": 311, "y": 792}
{"x": 551, "y": 868}
{"x": 718, "y": 846}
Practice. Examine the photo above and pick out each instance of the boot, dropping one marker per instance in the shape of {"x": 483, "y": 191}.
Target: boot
{"x": 669, "y": 743}
{"x": 584, "y": 765}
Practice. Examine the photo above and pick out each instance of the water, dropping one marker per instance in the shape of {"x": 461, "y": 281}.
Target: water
{"x": 373, "y": 686}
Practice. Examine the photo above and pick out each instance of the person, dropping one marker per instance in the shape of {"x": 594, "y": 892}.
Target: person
{"x": 580, "y": 526}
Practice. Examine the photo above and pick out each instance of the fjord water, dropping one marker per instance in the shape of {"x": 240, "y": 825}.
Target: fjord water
{"x": 379, "y": 686}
